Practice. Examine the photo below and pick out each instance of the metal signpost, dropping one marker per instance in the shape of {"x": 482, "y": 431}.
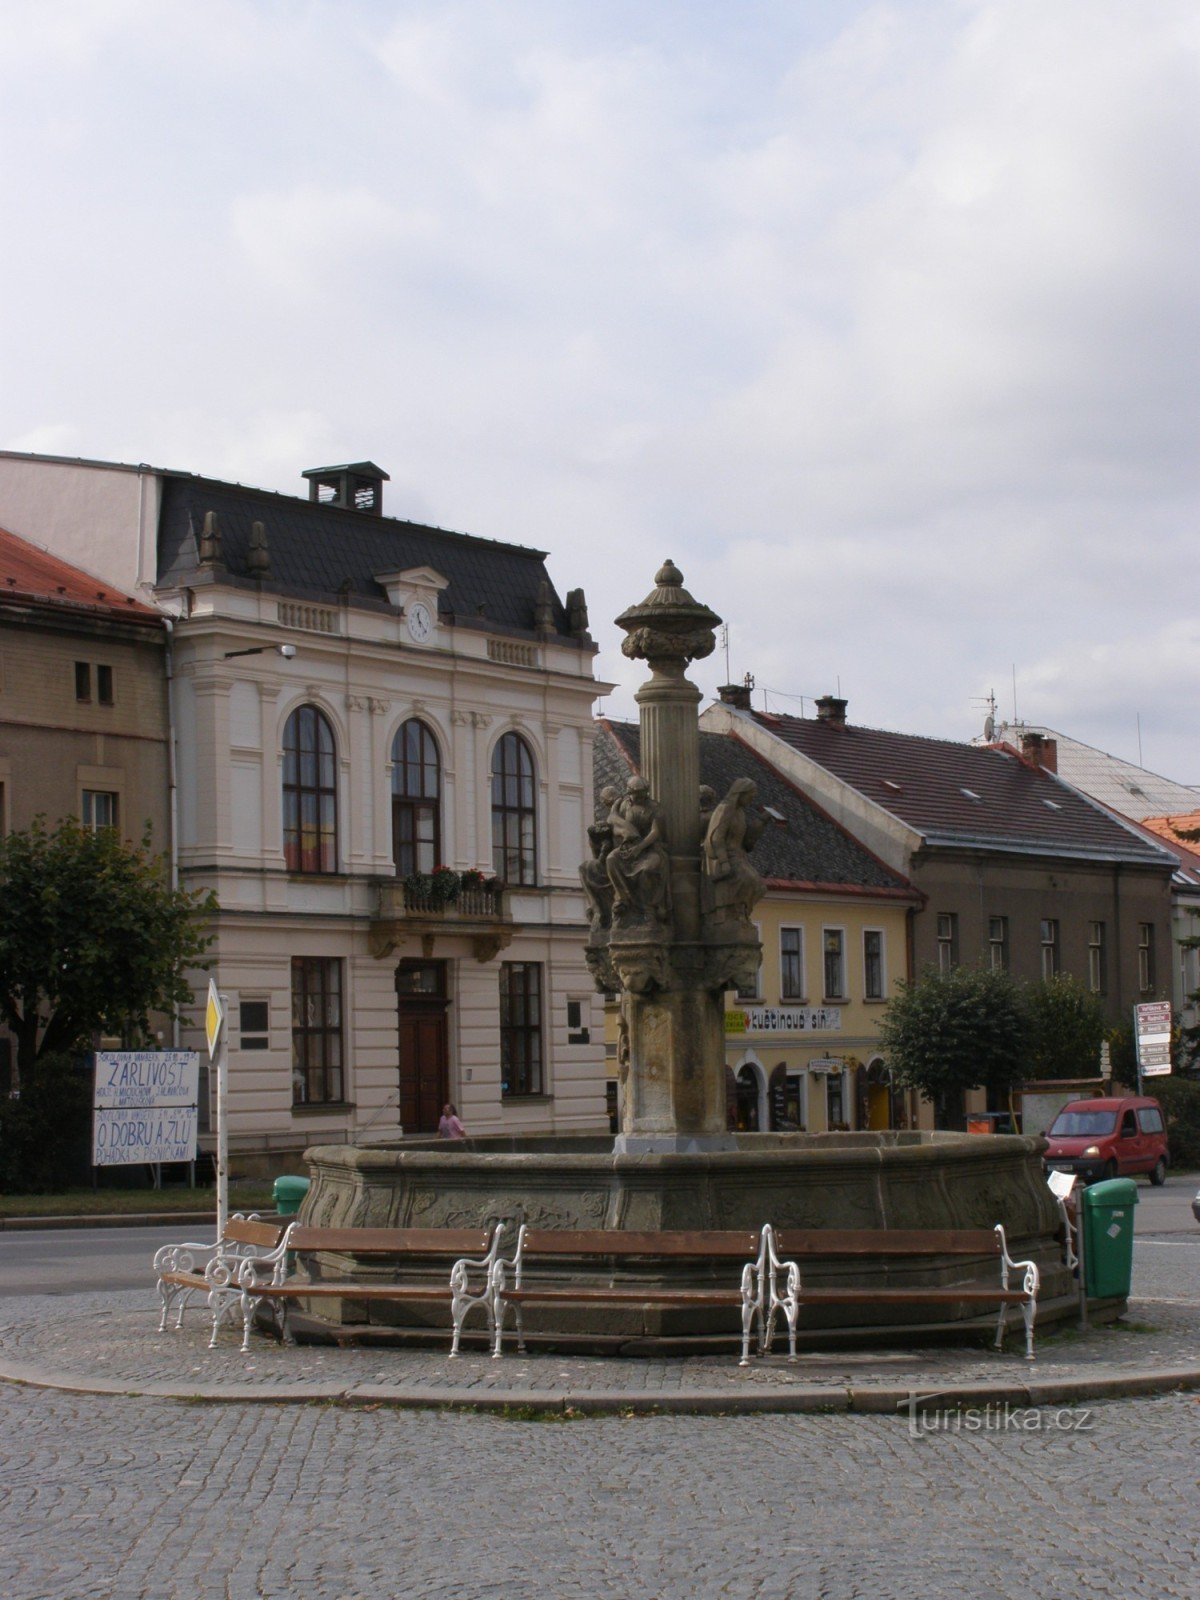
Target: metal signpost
{"x": 218, "y": 1054}
{"x": 145, "y": 1106}
{"x": 1152, "y": 1031}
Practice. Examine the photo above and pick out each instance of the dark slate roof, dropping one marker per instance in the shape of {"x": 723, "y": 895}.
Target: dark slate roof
{"x": 322, "y": 552}
{"x": 809, "y": 848}
{"x": 984, "y": 796}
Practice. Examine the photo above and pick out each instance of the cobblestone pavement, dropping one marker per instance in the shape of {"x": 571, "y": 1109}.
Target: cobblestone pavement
{"x": 142, "y": 1499}
{"x": 110, "y": 1341}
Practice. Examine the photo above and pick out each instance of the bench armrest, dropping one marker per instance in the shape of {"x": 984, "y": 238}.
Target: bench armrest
{"x": 1032, "y": 1277}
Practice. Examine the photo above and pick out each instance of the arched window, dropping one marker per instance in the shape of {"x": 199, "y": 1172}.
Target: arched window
{"x": 309, "y": 792}
{"x": 416, "y": 800}
{"x": 514, "y": 831}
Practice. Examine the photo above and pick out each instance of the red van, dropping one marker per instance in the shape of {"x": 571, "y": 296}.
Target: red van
{"x": 1109, "y": 1139}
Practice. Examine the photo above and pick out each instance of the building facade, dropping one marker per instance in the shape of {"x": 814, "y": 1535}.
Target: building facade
{"x": 382, "y": 736}
{"x": 1017, "y": 869}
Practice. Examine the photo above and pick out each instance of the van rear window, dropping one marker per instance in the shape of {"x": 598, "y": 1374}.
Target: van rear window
{"x": 1082, "y": 1124}
{"x": 1150, "y": 1119}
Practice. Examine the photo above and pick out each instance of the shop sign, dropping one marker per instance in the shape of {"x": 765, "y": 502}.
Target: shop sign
{"x": 793, "y": 1019}
{"x": 145, "y": 1106}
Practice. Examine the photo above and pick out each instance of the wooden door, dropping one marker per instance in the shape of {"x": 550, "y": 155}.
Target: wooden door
{"x": 424, "y": 1088}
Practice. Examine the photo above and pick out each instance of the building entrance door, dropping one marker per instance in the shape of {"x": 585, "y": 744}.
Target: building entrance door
{"x": 424, "y": 1056}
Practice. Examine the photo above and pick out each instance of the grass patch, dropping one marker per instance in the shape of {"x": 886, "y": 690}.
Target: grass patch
{"x": 132, "y": 1202}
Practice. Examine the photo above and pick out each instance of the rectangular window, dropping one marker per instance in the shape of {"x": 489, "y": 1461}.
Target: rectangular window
{"x": 873, "y": 974}
{"x": 947, "y": 941}
{"x": 1051, "y": 964}
{"x": 1097, "y": 958}
{"x": 83, "y": 680}
{"x": 254, "y": 1024}
{"x": 316, "y": 1031}
{"x": 833, "y": 942}
{"x": 753, "y": 991}
{"x": 791, "y": 963}
{"x": 104, "y": 685}
{"x": 99, "y": 808}
{"x": 998, "y": 943}
{"x": 1145, "y": 956}
{"x": 520, "y": 1029}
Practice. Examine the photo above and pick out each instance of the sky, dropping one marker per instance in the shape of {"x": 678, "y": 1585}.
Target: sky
{"x": 881, "y": 320}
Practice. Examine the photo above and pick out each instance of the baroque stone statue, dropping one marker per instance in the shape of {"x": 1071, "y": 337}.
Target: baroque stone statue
{"x": 639, "y": 867}
{"x": 593, "y": 873}
{"x": 734, "y": 887}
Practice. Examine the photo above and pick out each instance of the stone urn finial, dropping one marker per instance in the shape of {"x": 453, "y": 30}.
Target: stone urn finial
{"x": 669, "y": 629}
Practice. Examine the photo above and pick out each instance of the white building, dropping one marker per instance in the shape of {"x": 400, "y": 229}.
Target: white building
{"x": 357, "y": 701}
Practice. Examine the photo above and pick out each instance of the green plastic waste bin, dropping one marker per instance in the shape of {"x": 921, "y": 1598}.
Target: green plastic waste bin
{"x": 1108, "y": 1236}
{"x": 289, "y": 1192}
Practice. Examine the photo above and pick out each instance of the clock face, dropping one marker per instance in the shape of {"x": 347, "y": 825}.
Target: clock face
{"x": 420, "y": 623}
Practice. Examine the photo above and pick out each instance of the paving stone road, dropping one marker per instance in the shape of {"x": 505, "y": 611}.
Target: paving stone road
{"x": 135, "y": 1499}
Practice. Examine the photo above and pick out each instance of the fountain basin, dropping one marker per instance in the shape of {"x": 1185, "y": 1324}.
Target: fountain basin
{"x": 837, "y": 1180}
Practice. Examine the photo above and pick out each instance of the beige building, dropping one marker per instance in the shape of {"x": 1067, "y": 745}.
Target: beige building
{"x": 383, "y": 744}
{"x": 83, "y": 704}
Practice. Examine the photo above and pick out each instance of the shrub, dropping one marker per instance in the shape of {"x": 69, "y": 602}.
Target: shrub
{"x": 1180, "y": 1100}
{"x": 46, "y": 1130}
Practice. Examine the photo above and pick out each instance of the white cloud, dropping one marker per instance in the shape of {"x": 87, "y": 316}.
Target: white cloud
{"x": 878, "y": 318}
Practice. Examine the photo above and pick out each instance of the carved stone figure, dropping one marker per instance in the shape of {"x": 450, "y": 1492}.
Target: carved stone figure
{"x": 708, "y": 804}
{"x": 577, "y": 613}
{"x": 638, "y": 864}
{"x": 593, "y": 874}
{"x": 733, "y": 831}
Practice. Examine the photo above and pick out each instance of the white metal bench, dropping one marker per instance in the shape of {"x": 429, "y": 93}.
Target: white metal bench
{"x": 186, "y": 1271}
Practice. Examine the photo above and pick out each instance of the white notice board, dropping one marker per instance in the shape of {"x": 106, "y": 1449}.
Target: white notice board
{"x": 145, "y": 1106}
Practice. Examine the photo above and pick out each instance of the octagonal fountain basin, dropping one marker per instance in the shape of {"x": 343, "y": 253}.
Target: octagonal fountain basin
{"x": 836, "y": 1180}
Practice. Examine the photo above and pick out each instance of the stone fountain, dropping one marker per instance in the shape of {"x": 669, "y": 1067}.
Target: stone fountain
{"x": 670, "y": 887}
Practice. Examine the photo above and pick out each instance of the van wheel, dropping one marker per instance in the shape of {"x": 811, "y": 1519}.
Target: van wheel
{"x": 1159, "y": 1175}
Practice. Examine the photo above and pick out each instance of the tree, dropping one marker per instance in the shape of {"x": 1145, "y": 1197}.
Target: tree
{"x": 949, "y": 1032}
{"x": 92, "y": 938}
{"x": 1066, "y": 1029}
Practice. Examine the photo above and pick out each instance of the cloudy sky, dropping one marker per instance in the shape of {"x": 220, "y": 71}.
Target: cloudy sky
{"x": 880, "y": 319}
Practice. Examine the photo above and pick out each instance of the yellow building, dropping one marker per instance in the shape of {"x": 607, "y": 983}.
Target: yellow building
{"x": 802, "y": 1051}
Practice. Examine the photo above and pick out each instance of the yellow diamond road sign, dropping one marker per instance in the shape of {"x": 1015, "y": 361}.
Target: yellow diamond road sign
{"x": 214, "y": 1018}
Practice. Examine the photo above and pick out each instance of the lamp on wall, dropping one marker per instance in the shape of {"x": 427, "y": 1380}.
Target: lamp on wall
{"x": 287, "y": 651}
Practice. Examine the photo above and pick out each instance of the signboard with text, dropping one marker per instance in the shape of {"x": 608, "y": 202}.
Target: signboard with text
{"x": 787, "y": 1019}
{"x": 145, "y": 1106}
{"x": 1152, "y": 1028}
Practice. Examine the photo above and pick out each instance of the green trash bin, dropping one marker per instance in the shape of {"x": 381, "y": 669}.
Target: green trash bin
{"x": 289, "y": 1192}
{"x": 1108, "y": 1237}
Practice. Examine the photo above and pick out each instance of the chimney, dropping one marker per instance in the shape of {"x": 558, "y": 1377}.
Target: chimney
{"x": 1040, "y": 751}
{"x": 736, "y": 695}
{"x": 832, "y": 709}
{"x": 356, "y": 487}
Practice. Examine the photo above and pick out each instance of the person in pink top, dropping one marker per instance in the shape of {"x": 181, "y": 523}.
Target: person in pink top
{"x": 450, "y": 1127}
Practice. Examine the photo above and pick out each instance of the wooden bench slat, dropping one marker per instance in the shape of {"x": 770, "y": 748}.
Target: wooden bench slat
{"x": 887, "y": 1241}
{"x": 623, "y": 1242}
{"x": 295, "y": 1290}
{"x": 914, "y": 1296}
{"x": 392, "y": 1241}
{"x": 649, "y": 1296}
{"x": 238, "y": 1230}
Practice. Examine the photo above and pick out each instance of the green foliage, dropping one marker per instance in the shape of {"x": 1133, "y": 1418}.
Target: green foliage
{"x": 46, "y": 1131}
{"x": 1066, "y": 1029}
{"x": 1180, "y": 1100}
{"x": 950, "y": 1032}
{"x": 92, "y": 938}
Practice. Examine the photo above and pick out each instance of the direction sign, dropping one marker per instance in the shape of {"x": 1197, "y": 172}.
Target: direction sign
{"x": 214, "y": 1018}
{"x": 1152, "y": 1027}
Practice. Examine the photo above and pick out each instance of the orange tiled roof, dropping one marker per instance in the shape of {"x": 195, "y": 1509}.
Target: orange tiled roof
{"x": 32, "y": 574}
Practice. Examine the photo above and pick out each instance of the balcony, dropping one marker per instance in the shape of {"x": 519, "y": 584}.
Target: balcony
{"x": 426, "y": 907}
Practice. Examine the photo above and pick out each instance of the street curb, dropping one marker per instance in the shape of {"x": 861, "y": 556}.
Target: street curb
{"x": 116, "y": 1219}
{"x": 881, "y": 1400}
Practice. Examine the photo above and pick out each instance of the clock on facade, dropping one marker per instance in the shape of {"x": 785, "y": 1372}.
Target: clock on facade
{"x": 420, "y": 622}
